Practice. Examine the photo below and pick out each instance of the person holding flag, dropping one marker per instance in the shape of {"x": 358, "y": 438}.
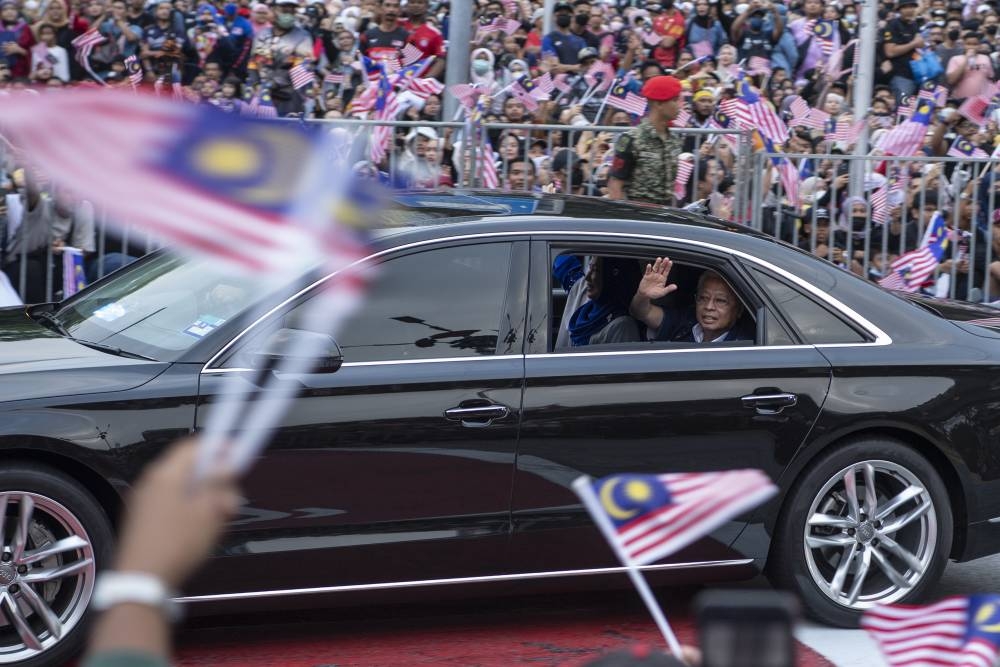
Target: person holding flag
{"x": 645, "y": 161}
{"x": 425, "y": 37}
{"x": 276, "y": 51}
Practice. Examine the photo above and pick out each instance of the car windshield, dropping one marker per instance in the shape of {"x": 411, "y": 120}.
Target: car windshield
{"x": 161, "y": 306}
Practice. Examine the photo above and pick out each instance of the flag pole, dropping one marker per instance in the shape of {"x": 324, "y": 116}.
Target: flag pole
{"x": 585, "y": 490}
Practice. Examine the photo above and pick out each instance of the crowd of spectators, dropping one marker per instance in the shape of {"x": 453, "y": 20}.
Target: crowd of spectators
{"x": 233, "y": 54}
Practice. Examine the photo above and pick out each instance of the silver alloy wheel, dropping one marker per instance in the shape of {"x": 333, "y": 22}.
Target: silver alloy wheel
{"x": 47, "y": 572}
{"x": 870, "y": 534}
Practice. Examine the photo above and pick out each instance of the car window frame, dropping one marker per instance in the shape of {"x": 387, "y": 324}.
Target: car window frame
{"x": 706, "y": 259}
{"x": 789, "y": 322}
{"x": 221, "y": 361}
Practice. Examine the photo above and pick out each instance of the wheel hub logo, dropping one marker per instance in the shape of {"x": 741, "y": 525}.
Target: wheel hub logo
{"x": 866, "y": 532}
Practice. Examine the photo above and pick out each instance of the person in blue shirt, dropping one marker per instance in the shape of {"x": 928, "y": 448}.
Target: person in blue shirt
{"x": 240, "y": 37}
{"x": 561, "y": 47}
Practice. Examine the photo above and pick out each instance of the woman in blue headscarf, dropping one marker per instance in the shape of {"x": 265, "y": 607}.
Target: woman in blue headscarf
{"x": 610, "y": 284}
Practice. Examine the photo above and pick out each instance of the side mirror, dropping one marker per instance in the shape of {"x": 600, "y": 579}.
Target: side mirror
{"x": 287, "y": 344}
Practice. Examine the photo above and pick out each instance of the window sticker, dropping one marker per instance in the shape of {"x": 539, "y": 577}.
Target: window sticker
{"x": 204, "y": 325}
{"x": 110, "y": 312}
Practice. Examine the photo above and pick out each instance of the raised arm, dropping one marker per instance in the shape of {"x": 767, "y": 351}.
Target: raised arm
{"x": 653, "y": 285}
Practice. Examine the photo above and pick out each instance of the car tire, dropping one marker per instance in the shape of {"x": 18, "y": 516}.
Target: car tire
{"x": 841, "y": 559}
{"x": 50, "y": 576}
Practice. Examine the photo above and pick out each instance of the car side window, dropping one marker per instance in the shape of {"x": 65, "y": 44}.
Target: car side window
{"x": 598, "y": 300}
{"x": 816, "y": 324}
{"x": 439, "y": 303}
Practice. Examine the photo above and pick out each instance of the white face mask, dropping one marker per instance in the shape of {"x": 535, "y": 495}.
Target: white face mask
{"x": 616, "y": 26}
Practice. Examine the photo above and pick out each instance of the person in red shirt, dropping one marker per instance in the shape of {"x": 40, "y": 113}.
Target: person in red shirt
{"x": 669, "y": 25}
{"x": 425, "y": 37}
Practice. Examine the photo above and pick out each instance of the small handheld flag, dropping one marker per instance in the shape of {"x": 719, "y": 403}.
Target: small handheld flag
{"x": 955, "y": 631}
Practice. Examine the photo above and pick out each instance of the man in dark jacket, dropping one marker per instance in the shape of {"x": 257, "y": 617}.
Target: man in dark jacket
{"x": 714, "y": 318}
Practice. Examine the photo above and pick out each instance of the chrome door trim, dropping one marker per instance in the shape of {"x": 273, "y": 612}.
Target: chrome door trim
{"x": 224, "y": 597}
{"x": 881, "y": 338}
{"x": 995, "y": 519}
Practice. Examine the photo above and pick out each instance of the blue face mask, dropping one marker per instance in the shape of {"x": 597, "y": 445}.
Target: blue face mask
{"x": 756, "y": 23}
{"x": 480, "y": 67}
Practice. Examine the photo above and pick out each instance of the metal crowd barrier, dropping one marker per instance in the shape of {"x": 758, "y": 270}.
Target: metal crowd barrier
{"x": 755, "y": 199}
{"x": 964, "y": 189}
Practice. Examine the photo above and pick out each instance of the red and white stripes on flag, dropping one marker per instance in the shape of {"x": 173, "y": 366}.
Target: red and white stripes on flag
{"x": 805, "y": 116}
{"x": 488, "y": 165}
{"x": 903, "y": 140}
{"x": 698, "y": 503}
{"x": 561, "y": 83}
{"x": 974, "y": 108}
{"x": 134, "y": 69}
{"x": 683, "y": 119}
{"x": 83, "y": 45}
{"x": 881, "y": 212}
{"x": 738, "y": 112}
{"x": 789, "y": 177}
{"x": 684, "y": 171}
{"x": 302, "y": 75}
{"x": 759, "y": 65}
{"x": 846, "y": 131}
{"x": 629, "y": 102}
{"x": 410, "y": 54}
{"x": 334, "y": 78}
{"x": 112, "y": 151}
{"x": 381, "y": 136}
{"x": 937, "y": 634}
{"x": 425, "y": 87}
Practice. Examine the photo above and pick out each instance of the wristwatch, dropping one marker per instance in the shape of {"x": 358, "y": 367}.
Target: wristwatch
{"x": 115, "y": 588}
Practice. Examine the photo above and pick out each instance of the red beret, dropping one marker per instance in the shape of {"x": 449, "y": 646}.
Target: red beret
{"x": 661, "y": 88}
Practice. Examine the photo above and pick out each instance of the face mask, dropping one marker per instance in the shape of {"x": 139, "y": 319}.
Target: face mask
{"x": 991, "y": 30}
{"x": 756, "y": 23}
{"x": 284, "y": 21}
{"x": 563, "y": 20}
{"x": 953, "y": 35}
{"x": 616, "y": 26}
{"x": 480, "y": 67}
{"x": 581, "y": 19}
{"x": 818, "y": 195}
{"x": 858, "y": 222}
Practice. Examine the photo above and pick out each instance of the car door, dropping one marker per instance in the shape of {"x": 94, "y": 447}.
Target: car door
{"x": 650, "y": 407}
{"x": 398, "y": 466}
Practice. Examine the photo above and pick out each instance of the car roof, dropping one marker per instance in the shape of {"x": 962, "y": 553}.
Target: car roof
{"x": 414, "y": 216}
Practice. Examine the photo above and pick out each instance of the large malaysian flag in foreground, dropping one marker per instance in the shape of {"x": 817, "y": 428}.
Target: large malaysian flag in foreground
{"x": 962, "y": 631}
{"x": 653, "y": 516}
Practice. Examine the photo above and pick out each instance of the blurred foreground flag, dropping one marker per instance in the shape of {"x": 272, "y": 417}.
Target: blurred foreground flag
{"x": 240, "y": 190}
{"x": 956, "y": 631}
{"x": 648, "y": 517}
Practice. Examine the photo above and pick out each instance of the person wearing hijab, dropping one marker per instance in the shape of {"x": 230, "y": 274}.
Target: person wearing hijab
{"x": 610, "y": 283}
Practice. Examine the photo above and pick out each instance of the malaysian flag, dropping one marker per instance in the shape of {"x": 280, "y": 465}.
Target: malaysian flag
{"x": 265, "y": 105}
{"x": 334, "y": 78}
{"x": 683, "y": 119}
{"x": 175, "y": 85}
{"x": 962, "y": 631}
{"x": 539, "y": 89}
{"x": 426, "y": 87}
{"x": 600, "y": 76}
{"x": 83, "y": 45}
{"x": 916, "y": 266}
{"x": 933, "y": 92}
{"x": 622, "y": 98}
{"x": 880, "y": 207}
{"x": 787, "y": 173}
{"x": 302, "y": 75}
{"x": 723, "y": 120}
{"x": 761, "y": 115}
{"x": 974, "y": 108}
{"x": 466, "y": 93}
{"x": 824, "y": 31}
{"x": 964, "y": 148}
{"x": 684, "y": 170}
{"x": 650, "y": 37}
{"x": 386, "y": 108}
{"x": 907, "y": 137}
{"x": 518, "y": 90}
{"x": 844, "y": 130}
{"x": 134, "y": 70}
{"x": 561, "y": 83}
{"x": 805, "y": 116}
{"x": 649, "y": 517}
{"x": 488, "y": 165}
{"x": 220, "y": 185}
{"x": 410, "y": 54}
{"x": 759, "y": 65}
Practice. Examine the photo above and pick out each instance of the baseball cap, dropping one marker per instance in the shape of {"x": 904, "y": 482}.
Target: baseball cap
{"x": 906, "y": 3}
{"x": 661, "y": 88}
{"x": 562, "y": 7}
{"x": 821, "y": 214}
{"x": 587, "y": 52}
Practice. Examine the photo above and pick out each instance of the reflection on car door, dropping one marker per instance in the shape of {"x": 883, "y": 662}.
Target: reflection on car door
{"x": 647, "y": 409}
{"x": 398, "y": 466}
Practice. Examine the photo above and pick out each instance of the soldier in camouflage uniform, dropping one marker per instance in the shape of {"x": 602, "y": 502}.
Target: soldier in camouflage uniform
{"x": 645, "y": 163}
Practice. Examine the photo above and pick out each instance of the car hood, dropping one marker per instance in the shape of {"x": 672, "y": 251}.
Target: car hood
{"x": 37, "y": 362}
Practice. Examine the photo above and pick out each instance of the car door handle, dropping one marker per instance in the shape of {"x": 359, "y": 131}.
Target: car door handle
{"x": 769, "y": 404}
{"x": 477, "y": 416}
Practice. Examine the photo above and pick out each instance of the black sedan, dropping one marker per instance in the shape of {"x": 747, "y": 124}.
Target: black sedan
{"x": 435, "y": 451}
